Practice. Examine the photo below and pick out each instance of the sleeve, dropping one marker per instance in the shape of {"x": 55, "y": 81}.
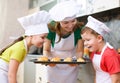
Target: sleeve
{"x": 111, "y": 63}
{"x": 77, "y": 35}
{"x": 18, "y": 53}
{"x": 51, "y": 34}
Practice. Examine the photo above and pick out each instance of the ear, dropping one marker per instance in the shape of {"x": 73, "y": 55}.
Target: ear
{"x": 100, "y": 38}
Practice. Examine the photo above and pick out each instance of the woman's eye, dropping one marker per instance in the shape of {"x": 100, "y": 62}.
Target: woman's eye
{"x": 73, "y": 21}
{"x": 65, "y": 23}
{"x": 88, "y": 40}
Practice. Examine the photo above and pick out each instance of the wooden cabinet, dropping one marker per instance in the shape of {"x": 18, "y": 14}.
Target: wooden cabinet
{"x": 41, "y": 73}
{"x": 27, "y": 70}
{"x": 86, "y": 73}
{"x": 44, "y": 2}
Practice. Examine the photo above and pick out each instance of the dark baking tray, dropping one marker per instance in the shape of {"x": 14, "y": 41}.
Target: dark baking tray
{"x": 55, "y": 62}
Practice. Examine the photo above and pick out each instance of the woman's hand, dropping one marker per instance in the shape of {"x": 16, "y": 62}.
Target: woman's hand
{"x": 52, "y": 65}
{"x": 73, "y": 65}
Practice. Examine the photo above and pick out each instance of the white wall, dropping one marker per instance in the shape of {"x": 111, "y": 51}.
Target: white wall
{"x": 9, "y": 26}
{"x": 10, "y": 10}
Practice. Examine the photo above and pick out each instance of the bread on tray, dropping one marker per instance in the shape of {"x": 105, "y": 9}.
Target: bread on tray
{"x": 68, "y": 59}
{"x": 57, "y": 59}
{"x": 80, "y": 60}
{"x": 43, "y": 58}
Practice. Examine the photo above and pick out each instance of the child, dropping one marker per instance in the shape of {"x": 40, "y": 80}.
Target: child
{"x": 36, "y": 30}
{"x": 105, "y": 58}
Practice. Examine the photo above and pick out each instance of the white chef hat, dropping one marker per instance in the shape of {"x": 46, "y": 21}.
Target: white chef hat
{"x": 97, "y": 26}
{"x": 64, "y": 11}
{"x": 35, "y": 23}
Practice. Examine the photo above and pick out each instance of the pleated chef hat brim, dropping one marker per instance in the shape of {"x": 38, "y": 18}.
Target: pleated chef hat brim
{"x": 36, "y": 23}
{"x": 66, "y": 10}
{"x": 97, "y": 26}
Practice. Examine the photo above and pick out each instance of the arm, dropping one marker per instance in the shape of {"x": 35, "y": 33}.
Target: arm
{"x": 12, "y": 72}
{"x": 47, "y": 50}
{"x": 115, "y": 78}
{"x": 47, "y": 47}
{"x": 80, "y": 48}
{"x": 94, "y": 76}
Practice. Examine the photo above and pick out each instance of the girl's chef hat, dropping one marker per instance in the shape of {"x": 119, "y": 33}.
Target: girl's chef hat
{"x": 97, "y": 26}
{"x": 64, "y": 11}
{"x": 35, "y": 23}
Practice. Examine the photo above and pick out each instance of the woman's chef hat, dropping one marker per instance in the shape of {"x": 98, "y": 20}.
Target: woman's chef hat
{"x": 35, "y": 23}
{"x": 64, "y": 11}
{"x": 97, "y": 26}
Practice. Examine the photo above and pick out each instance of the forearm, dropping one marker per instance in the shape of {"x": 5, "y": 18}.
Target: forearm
{"x": 116, "y": 81}
{"x": 47, "y": 48}
{"x": 115, "y": 78}
{"x": 12, "y": 72}
{"x": 46, "y": 53}
{"x": 79, "y": 54}
{"x": 79, "y": 49}
{"x": 12, "y": 78}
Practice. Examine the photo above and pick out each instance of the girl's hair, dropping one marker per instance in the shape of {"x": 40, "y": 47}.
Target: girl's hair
{"x": 17, "y": 40}
{"x": 87, "y": 29}
{"x": 56, "y": 28}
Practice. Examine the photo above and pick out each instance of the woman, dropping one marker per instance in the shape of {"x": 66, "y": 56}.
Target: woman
{"x": 64, "y": 40}
{"x": 105, "y": 58}
{"x": 36, "y": 30}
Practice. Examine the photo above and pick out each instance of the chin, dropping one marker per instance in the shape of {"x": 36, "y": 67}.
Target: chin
{"x": 91, "y": 50}
{"x": 69, "y": 30}
{"x": 40, "y": 46}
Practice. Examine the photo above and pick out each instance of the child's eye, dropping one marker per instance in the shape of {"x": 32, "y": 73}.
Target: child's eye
{"x": 42, "y": 37}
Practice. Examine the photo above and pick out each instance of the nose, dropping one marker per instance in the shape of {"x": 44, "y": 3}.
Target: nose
{"x": 71, "y": 25}
{"x": 44, "y": 39}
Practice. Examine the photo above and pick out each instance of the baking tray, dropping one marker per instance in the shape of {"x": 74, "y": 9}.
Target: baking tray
{"x": 56, "y": 62}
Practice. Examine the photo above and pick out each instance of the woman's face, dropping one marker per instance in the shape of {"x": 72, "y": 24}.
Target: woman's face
{"x": 38, "y": 40}
{"x": 91, "y": 41}
{"x": 68, "y": 25}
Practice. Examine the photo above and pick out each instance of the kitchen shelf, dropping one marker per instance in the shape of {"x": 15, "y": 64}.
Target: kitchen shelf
{"x": 102, "y": 16}
{"x": 44, "y": 2}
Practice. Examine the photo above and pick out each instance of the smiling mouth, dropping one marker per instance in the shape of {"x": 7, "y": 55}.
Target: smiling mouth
{"x": 89, "y": 47}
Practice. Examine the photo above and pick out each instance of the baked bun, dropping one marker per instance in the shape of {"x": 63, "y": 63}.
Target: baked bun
{"x": 68, "y": 59}
{"x": 43, "y": 58}
{"x": 56, "y": 59}
{"x": 80, "y": 60}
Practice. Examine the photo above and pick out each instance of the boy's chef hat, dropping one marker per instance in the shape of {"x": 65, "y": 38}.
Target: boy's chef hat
{"x": 64, "y": 11}
{"x": 35, "y": 23}
{"x": 97, "y": 26}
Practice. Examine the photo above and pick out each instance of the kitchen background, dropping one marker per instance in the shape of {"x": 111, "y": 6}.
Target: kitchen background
{"x": 107, "y": 11}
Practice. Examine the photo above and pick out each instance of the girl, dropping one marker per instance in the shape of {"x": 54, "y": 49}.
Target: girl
{"x": 36, "y": 30}
{"x": 105, "y": 58}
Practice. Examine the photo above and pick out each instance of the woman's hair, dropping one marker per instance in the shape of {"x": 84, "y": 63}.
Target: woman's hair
{"x": 17, "y": 40}
{"x": 87, "y": 29}
{"x": 56, "y": 28}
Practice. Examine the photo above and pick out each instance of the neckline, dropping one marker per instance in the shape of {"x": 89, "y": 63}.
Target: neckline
{"x": 67, "y": 35}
